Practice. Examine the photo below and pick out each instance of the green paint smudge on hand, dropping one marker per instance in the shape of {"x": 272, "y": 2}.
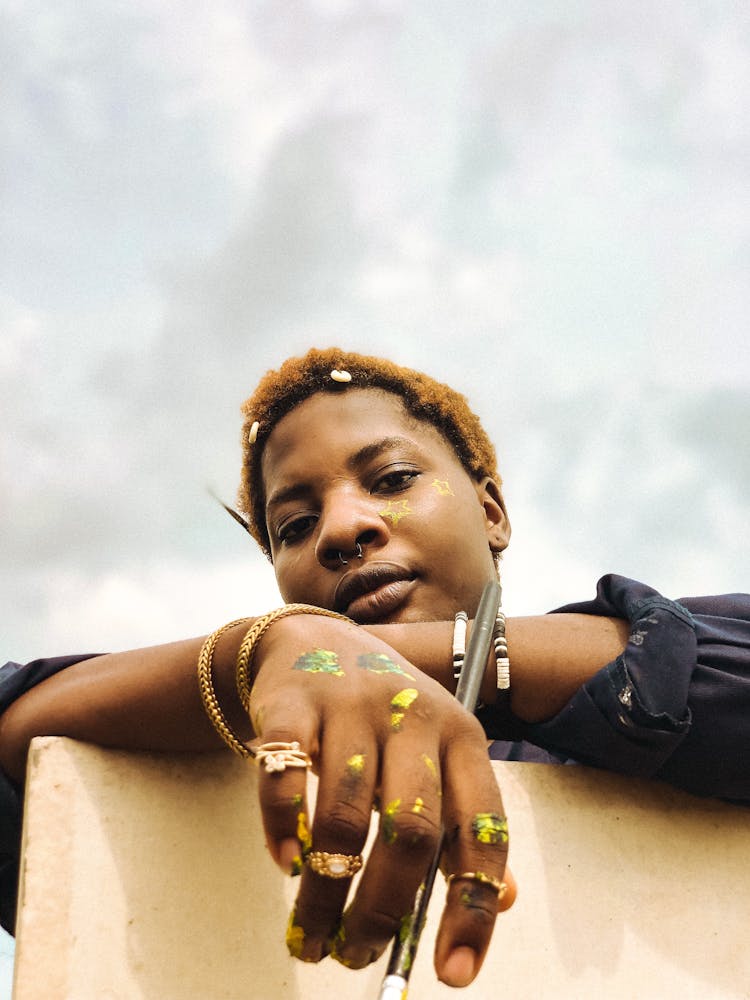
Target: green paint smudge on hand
{"x": 489, "y": 828}
{"x": 381, "y": 663}
{"x": 320, "y": 661}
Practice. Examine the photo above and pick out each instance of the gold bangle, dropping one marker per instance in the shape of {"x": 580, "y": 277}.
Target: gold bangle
{"x": 252, "y": 637}
{"x": 208, "y": 692}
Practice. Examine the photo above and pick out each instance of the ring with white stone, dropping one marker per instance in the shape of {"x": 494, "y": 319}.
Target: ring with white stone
{"x": 277, "y": 757}
{"x": 334, "y": 865}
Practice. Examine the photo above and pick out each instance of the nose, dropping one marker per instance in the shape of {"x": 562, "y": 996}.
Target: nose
{"x": 349, "y": 524}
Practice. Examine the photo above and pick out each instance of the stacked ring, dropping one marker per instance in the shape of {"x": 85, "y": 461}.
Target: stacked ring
{"x": 279, "y": 756}
{"x": 334, "y": 865}
{"x": 500, "y": 887}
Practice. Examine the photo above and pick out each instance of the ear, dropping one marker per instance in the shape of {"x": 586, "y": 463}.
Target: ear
{"x": 497, "y": 523}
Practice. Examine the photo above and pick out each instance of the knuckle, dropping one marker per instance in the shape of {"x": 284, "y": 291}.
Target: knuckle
{"x": 342, "y": 822}
{"x": 413, "y": 832}
{"x": 382, "y": 924}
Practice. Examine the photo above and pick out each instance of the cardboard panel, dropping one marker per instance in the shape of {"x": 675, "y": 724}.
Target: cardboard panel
{"x": 144, "y": 876}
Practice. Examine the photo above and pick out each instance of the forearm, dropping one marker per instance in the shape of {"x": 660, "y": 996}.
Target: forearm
{"x": 144, "y": 699}
{"x": 551, "y": 656}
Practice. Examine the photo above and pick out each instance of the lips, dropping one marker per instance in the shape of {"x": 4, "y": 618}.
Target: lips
{"x": 373, "y": 592}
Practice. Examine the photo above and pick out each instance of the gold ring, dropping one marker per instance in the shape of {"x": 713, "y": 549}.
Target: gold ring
{"x": 334, "y": 865}
{"x": 280, "y": 756}
{"x": 500, "y": 887}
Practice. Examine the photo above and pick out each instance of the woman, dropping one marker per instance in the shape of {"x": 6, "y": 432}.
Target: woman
{"x": 374, "y": 491}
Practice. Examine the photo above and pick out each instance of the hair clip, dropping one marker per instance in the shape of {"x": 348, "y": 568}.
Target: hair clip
{"x": 252, "y": 434}
{"x": 340, "y": 376}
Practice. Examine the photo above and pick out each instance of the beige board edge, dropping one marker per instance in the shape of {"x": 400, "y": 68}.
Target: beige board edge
{"x": 143, "y": 877}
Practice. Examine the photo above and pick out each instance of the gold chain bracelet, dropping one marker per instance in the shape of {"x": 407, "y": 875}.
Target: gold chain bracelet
{"x": 244, "y": 663}
{"x": 208, "y": 692}
{"x": 252, "y": 638}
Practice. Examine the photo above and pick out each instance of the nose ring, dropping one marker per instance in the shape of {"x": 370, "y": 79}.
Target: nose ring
{"x": 357, "y": 551}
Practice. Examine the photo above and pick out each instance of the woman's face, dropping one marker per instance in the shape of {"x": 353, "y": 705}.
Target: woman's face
{"x": 355, "y": 468}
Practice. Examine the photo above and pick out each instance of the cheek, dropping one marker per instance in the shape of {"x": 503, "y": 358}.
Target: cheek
{"x": 292, "y": 578}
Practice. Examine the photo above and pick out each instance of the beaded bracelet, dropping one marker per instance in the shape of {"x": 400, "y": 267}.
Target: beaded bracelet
{"x": 459, "y": 642}
{"x": 500, "y": 645}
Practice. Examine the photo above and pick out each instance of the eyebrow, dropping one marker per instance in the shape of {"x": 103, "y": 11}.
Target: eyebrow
{"x": 366, "y": 453}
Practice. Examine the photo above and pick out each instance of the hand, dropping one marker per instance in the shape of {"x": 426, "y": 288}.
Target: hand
{"x": 378, "y": 731}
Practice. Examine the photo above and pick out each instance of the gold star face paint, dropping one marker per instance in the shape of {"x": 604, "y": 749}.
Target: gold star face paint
{"x": 442, "y": 487}
{"x": 399, "y": 704}
{"x": 320, "y": 661}
{"x": 489, "y": 828}
{"x": 381, "y": 663}
{"x": 388, "y": 825}
{"x": 394, "y": 510}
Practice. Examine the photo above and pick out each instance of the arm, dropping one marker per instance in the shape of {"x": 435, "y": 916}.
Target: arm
{"x": 551, "y": 657}
{"x": 143, "y": 699}
{"x": 147, "y": 699}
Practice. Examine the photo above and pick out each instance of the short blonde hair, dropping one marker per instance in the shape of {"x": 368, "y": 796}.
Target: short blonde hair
{"x": 424, "y": 398}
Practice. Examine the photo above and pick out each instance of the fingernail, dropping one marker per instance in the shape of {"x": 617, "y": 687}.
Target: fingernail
{"x": 460, "y": 967}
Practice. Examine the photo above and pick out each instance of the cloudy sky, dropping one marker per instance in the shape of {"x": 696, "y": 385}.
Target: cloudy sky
{"x": 547, "y": 205}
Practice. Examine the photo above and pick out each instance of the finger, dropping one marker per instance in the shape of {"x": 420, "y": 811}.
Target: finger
{"x": 348, "y": 777}
{"x": 286, "y": 718}
{"x": 477, "y": 845}
{"x": 407, "y": 838}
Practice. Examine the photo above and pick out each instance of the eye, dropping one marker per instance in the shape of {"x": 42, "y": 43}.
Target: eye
{"x": 295, "y": 529}
{"x": 395, "y": 481}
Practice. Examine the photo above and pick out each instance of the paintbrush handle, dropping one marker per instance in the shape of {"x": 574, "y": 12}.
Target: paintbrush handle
{"x": 396, "y": 981}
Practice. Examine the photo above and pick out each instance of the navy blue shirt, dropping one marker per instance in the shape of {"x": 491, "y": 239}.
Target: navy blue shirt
{"x": 675, "y": 705}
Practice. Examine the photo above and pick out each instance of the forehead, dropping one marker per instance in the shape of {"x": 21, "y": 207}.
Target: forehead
{"x": 328, "y": 424}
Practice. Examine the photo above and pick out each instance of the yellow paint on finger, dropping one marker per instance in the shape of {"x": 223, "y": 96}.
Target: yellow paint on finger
{"x": 389, "y": 814}
{"x": 429, "y": 763}
{"x": 418, "y": 805}
{"x": 335, "y": 943}
{"x": 356, "y": 764}
{"x": 399, "y": 704}
{"x": 295, "y": 937}
{"x": 303, "y": 833}
{"x": 489, "y": 828}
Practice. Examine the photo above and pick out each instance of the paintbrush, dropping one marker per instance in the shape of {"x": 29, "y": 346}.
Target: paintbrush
{"x": 396, "y": 981}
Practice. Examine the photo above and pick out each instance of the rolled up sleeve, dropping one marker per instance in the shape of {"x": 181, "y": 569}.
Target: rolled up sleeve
{"x": 675, "y": 704}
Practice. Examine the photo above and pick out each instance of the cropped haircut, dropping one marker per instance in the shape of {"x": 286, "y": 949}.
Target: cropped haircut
{"x": 297, "y": 379}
